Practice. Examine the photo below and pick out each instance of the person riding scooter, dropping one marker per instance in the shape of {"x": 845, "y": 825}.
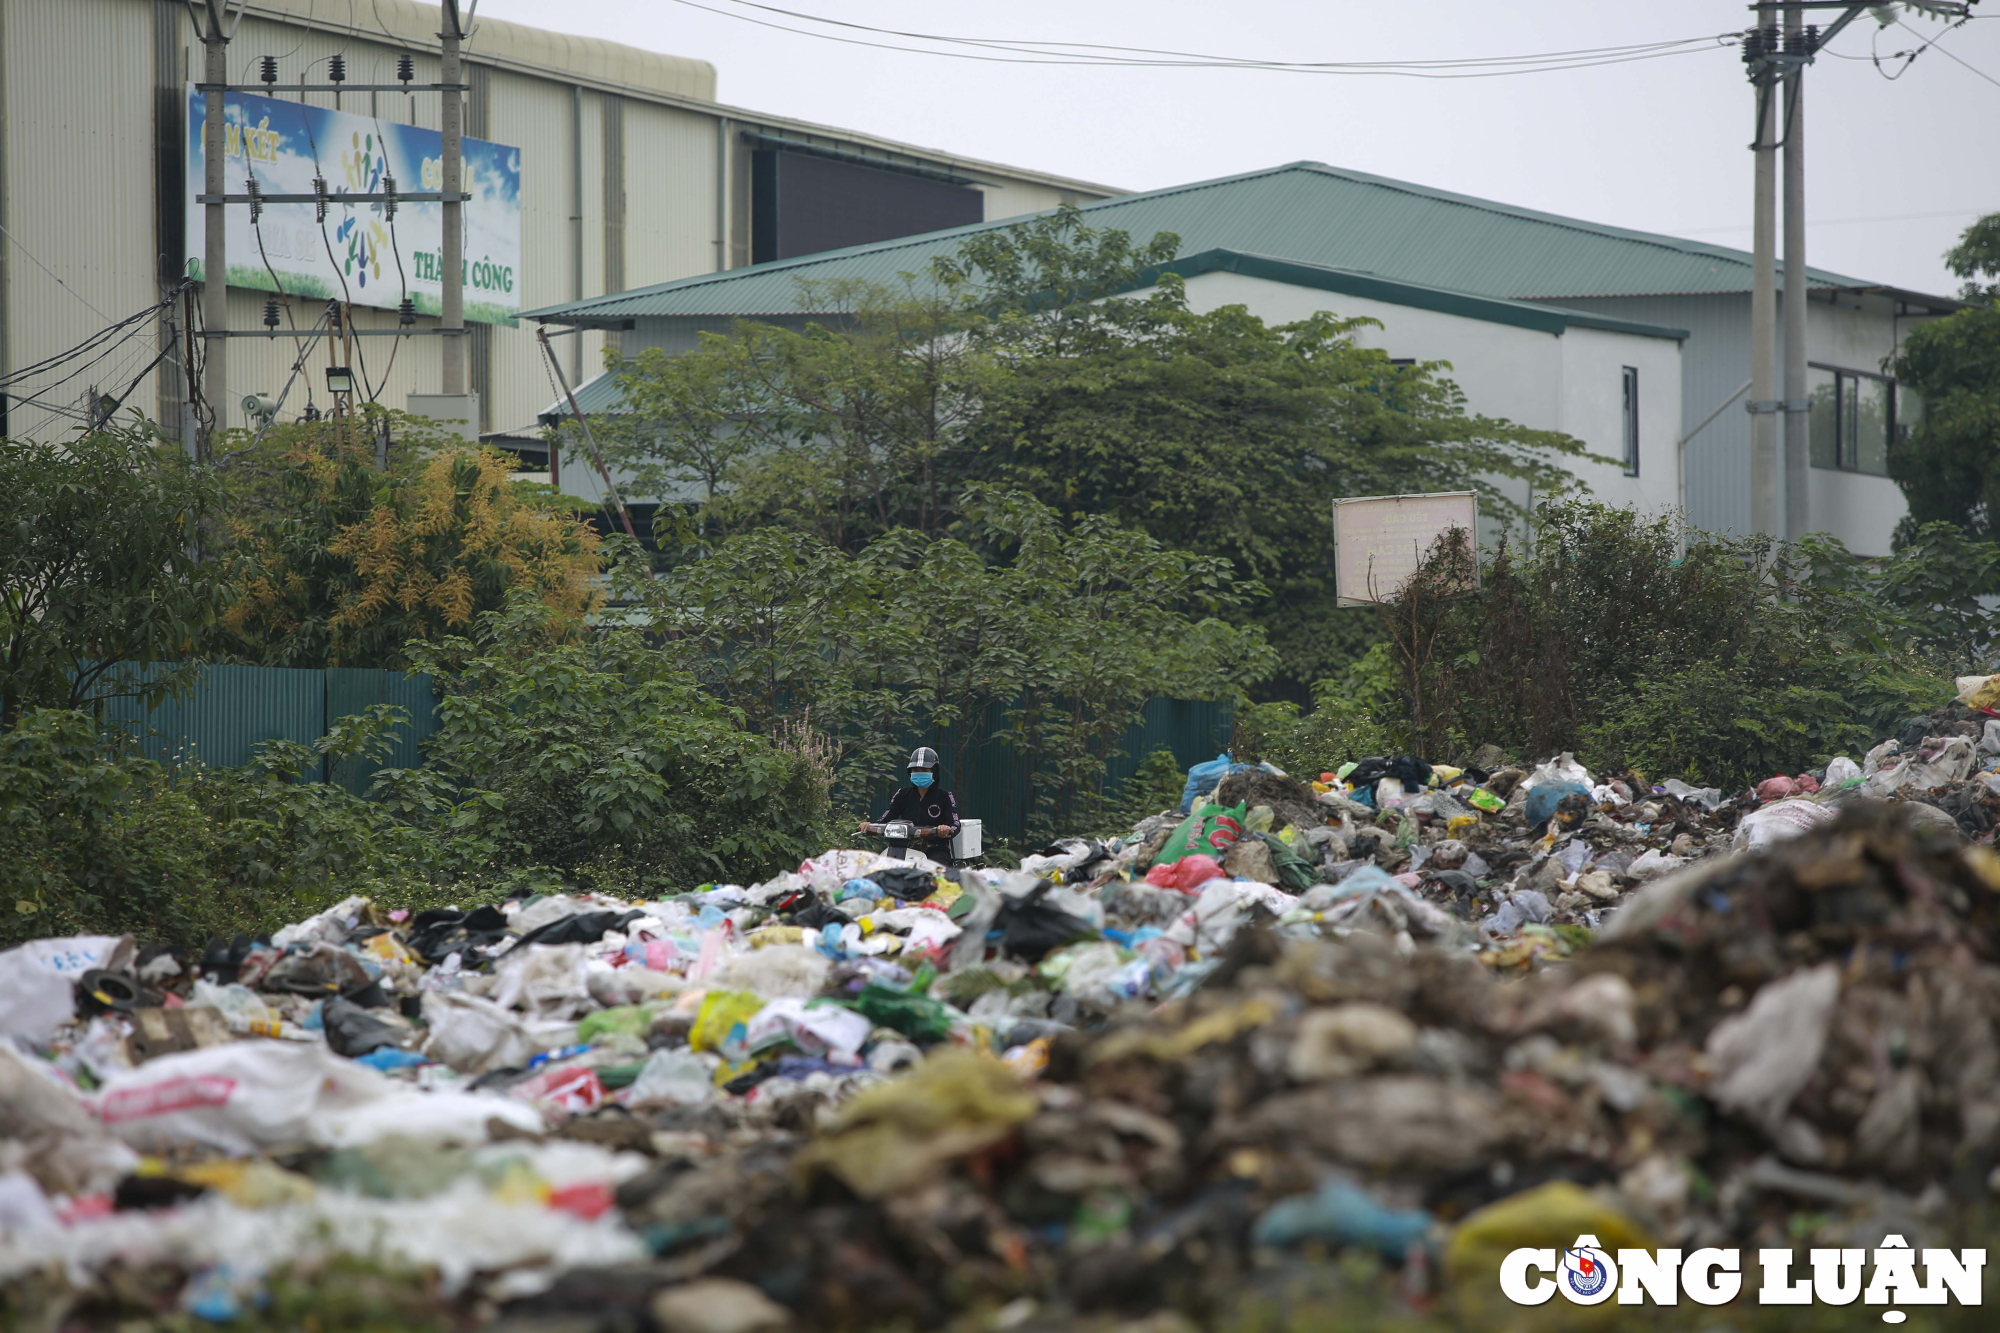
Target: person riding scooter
{"x": 925, "y": 802}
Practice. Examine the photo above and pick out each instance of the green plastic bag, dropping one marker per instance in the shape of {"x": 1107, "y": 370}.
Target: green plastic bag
{"x": 1209, "y": 831}
{"x": 1295, "y": 873}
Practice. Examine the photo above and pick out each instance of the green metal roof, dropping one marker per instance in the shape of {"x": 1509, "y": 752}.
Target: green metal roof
{"x": 600, "y": 394}
{"x": 1306, "y": 212}
{"x": 1494, "y": 310}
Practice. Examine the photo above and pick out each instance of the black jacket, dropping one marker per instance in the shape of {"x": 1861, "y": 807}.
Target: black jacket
{"x": 926, "y": 807}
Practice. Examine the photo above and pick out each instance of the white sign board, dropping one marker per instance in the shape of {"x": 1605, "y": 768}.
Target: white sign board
{"x": 1379, "y": 540}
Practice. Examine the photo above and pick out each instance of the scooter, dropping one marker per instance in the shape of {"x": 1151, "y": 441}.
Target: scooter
{"x": 963, "y": 850}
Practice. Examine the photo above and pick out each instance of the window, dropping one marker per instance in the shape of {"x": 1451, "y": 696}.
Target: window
{"x": 1852, "y": 418}
{"x": 1631, "y": 440}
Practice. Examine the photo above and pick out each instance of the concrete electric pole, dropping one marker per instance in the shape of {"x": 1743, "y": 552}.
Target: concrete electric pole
{"x": 452, "y": 123}
{"x": 1764, "y": 293}
{"x": 1776, "y": 60}
{"x": 1799, "y": 46}
{"x": 215, "y": 244}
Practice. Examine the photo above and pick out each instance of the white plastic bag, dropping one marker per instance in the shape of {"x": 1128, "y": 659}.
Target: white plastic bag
{"x": 544, "y": 980}
{"x": 1940, "y": 762}
{"x": 331, "y": 926}
{"x": 236, "y": 1098}
{"x": 822, "y": 1029}
{"x": 1779, "y": 821}
{"x": 473, "y": 1035}
{"x": 673, "y": 1076}
{"x": 37, "y": 980}
{"x": 1842, "y": 771}
{"x": 1562, "y": 768}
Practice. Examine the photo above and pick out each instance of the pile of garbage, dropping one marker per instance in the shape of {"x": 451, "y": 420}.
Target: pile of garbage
{"x": 1169, "y": 1071}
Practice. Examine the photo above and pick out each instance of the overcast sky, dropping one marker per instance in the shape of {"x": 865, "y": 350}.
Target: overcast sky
{"x": 1895, "y": 168}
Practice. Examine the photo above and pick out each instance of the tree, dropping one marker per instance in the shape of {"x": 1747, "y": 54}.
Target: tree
{"x": 343, "y": 562}
{"x": 1042, "y": 635}
{"x": 846, "y": 428}
{"x": 1058, "y": 360}
{"x": 1949, "y": 467}
{"x": 99, "y": 581}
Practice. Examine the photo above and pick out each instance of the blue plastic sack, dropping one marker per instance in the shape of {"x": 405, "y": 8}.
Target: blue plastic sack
{"x": 1544, "y": 798}
{"x": 1203, "y": 779}
{"x": 1340, "y": 1214}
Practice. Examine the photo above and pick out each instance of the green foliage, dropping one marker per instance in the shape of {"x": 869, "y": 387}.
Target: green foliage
{"x": 94, "y": 836}
{"x": 1010, "y": 370}
{"x": 1736, "y": 659}
{"x": 98, "y": 571}
{"x": 1949, "y": 467}
{"x": 1046, "y": 636}
{"x": 601, "y": 757}
{"x": 1345, "y": 721}
{"x": 342, "y": 561}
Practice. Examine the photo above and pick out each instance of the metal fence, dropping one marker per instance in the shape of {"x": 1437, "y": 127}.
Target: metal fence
{"x": 232, "y": 709}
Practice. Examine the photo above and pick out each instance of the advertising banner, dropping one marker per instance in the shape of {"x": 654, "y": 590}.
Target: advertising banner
{"x": 358, "y": 253}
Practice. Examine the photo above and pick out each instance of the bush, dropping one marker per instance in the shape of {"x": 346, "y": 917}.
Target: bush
{"x": 1727, "y": 661}
{"x": 96, "y": 837}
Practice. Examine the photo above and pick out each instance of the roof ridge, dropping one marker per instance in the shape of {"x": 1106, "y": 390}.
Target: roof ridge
{"x": 1659, "y": 240}
{"x": 769, "y": 266}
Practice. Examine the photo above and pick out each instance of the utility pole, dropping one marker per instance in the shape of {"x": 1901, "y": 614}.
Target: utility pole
{"x": 1776, "y": 60}
{"x": 215, "y": 247}
{"x": 452, "y": 123}
{"x": 1764, "y": 292}
{"x": 1799, "y": 47}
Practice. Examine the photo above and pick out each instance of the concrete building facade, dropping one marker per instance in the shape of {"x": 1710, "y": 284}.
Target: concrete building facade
{"x": 631, "y": 174}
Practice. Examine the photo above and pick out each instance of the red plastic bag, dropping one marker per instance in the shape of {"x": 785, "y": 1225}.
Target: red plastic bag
{"x": 1187, "y": 874}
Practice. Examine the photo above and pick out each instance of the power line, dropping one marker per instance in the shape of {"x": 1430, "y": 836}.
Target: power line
{"x": 1040, "y": 46}
{"x": 52, "y": 273}
{"x": 1933, "y": 44}
{"x": 1838, "y": 222}
{"x": 1027, "y": 55}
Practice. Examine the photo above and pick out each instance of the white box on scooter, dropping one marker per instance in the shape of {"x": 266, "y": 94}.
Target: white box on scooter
{"x": 966, "y": 843}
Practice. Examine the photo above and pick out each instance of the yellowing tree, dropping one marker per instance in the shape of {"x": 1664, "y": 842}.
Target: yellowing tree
{"x": 340, "y": 563}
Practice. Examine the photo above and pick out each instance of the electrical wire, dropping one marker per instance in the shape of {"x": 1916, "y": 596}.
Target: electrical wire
{"x": 1933, "y": 45}
{"x": 52, "y": 273}
{"x": 1038, "y": 46}
{"x": 1043, "y": 56}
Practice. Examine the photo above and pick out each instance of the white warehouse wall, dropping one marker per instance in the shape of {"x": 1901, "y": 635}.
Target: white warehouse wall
{"x": 1570, "y": 383}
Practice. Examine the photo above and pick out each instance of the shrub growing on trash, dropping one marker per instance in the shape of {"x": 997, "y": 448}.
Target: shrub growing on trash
{"x": 1681, "y": 653}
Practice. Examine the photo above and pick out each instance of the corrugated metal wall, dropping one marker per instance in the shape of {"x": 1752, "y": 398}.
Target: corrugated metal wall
{"x": 233, "y": 709}
{"x": 994, "y": 785}
{"x": 78, "y": 85}
{"x": 1715, "y": 361}
{"x": 669, "y": 194}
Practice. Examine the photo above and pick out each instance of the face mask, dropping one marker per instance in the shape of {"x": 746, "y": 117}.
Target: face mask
{"x": 921, "y": 779}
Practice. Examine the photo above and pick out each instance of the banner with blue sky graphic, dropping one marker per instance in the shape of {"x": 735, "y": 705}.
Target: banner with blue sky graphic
{"x": 358, "y": 254}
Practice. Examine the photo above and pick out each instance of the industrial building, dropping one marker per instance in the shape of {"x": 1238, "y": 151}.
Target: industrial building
{"x": 1552, "y": 322}
{"x": 630, "y": 174}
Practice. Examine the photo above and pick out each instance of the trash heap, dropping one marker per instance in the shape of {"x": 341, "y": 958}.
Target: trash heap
{"x": 1167, "y": 1071}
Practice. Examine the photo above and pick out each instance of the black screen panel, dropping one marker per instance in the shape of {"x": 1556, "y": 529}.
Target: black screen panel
{"x": 802, "y": 204}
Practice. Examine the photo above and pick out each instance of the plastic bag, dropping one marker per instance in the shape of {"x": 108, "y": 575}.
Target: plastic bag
{"x": 1781, "y": 820}
{"x": 1186, "y": 873}
{"x": 37, "y": 980}
{"x": 353, "y": 1031}
{"x": 235, "y": 1098}
{"x": 1562, "y": 768}
{"x": 1203, "y": 778}
{"x": 818, "y": 1029}
{"x": 673, "y": 1076}
{"x": 716, "y": 1024}
{"x": 475, "y": 1035}
{"x": 1210, "y": 831}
